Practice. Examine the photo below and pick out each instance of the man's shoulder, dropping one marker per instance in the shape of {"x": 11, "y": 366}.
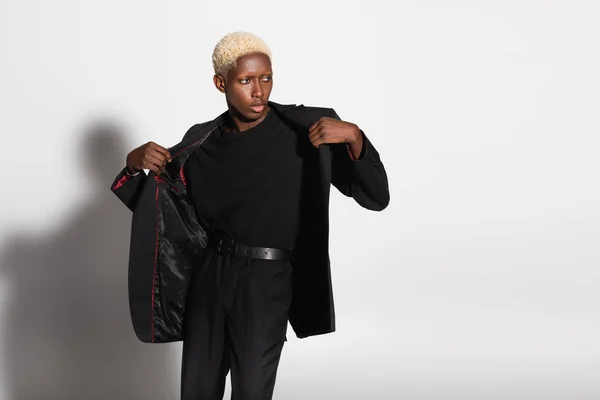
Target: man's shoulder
{"x": 202, "y": 128}
{"x": 300, "y": 113}
{"x": 196, "y": 128}
{"x": 196, "y": 133}
{"x": 301, "y": 109}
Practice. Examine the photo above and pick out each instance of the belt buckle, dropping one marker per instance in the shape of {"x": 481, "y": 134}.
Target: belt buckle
{"x": 226, "y": 246}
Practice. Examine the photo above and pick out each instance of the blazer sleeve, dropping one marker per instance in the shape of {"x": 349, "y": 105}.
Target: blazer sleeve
{"x": 127, "y": 188}
{"x": 363, "y": 179}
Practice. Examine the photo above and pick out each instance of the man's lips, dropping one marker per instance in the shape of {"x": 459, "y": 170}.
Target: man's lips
{"x": 257, "y": 107}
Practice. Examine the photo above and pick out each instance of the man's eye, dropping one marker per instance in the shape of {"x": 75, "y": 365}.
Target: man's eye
{"x": 245, "y": 80}
{"x": 267, "y": 78}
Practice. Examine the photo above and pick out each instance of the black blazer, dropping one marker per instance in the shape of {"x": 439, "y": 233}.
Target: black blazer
{"x": 167, "y": 240}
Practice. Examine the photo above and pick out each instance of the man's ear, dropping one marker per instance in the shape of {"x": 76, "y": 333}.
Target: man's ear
{"x": 219, "y": 83}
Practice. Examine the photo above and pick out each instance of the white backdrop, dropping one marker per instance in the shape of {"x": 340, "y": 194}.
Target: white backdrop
{"x": 480, "y": 281}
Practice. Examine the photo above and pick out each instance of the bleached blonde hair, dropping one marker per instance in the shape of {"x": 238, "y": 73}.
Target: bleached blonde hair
{"x": 233, "y": 46}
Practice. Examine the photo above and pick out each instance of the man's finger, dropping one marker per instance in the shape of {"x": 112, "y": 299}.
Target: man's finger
{"x": 318, "y": 141}
{"x": 157, "y": 159}
{"x": 314, "y": 130}
{"x": 161, "y": 150}
{"x": 313, "y": 126}
{"x": 157, "y": 154}
{"x": 317, "y": 124}
{"x": 326, "y": 139}
{"x": 148, "y": 165}
{"x": 315, "y": 133}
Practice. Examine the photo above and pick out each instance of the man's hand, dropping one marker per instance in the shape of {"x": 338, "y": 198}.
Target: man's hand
{"x": 331, "y": 130}
{"x": 148, "y": 156}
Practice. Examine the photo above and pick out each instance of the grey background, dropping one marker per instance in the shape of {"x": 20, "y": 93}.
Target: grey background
{"x": 480, "y": 281}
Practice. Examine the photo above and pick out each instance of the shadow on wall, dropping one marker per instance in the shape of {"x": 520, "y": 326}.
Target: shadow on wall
{"x": 68, "y": 331}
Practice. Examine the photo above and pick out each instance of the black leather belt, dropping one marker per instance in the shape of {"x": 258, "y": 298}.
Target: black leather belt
{"x": 227, "y": 246}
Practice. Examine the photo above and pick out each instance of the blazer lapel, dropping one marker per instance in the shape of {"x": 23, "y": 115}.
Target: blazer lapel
{"x": 300, "y": 119}
{"x": 181, "y": 151}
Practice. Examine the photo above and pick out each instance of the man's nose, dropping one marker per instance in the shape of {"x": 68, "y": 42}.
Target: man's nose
{"x": 257, "y": 90}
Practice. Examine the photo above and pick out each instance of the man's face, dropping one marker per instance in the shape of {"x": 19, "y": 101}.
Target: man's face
{"x": 248, "y": 87}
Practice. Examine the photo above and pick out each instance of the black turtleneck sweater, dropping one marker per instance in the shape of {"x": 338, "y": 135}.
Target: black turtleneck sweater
{"x": 248, "y": 183}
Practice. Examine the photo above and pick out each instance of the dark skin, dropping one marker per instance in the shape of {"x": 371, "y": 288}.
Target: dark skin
{"x": 247, "y": 88}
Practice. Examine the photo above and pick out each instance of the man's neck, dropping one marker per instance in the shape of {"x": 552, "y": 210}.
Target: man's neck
{"x": 233, "y": 123}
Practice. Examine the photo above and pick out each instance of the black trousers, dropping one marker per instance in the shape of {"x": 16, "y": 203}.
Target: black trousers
{"x": 236, "y": 319}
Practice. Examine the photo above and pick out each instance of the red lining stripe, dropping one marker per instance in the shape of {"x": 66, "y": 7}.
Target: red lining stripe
{"x": 155, "y": 263}
{"x": 186, "y": 147}
{"x": 181, "y": 174}
{"x": 350, "y": 152}
{"x": 121, "y": 182}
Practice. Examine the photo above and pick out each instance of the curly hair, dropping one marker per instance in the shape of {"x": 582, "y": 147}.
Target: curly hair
{"x": 233, "y": 46}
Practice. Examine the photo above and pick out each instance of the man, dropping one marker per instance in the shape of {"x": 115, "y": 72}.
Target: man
{"x": 230, "y": 227}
